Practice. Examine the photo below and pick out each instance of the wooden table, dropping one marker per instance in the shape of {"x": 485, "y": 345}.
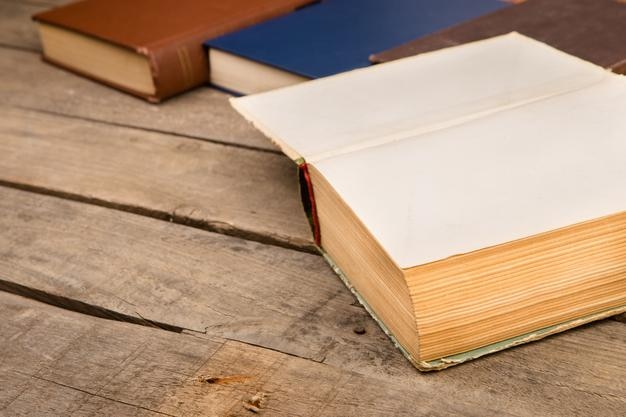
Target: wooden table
{"x": 154, "y": 260}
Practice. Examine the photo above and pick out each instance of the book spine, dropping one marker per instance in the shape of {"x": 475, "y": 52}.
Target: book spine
{"x": 177, "y": 67}
{"x": 182, "y": 63}
{"x": 308, "y": 201}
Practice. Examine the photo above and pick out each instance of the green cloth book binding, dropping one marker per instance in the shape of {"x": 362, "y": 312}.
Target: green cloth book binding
{"x": 472, "y": 197}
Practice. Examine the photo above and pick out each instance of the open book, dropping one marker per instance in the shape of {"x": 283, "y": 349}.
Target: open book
{"x": 474, "y": 198}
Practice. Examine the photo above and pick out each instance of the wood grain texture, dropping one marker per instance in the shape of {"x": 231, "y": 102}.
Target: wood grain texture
{"x": 205, "y": 282}
{"x": 203, "y": 113}
{"x": 222, "y": 287}
{"x": 16, "y": 28}
{"x": 56, "y": 362}
{"x": 221, "y": 188}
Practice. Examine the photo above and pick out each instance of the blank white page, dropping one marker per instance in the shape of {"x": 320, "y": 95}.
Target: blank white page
{"x": 503, "y": 177}
{"x": 461, "y": 149}
{"x": 414, "y": 95}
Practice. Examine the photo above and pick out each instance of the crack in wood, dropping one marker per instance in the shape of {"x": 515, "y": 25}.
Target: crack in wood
{"x": 18, "y": 48}
{"x": 273, "y": 349}
{"x": 104, "y": 313}
{"x": 206, "y": 225}
{"x": 93, "y": 394}
{"x": 82, "y": 307}
{"x": 225, "y": 380}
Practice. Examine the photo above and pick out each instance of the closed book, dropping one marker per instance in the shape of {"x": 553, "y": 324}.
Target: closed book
{"x": 472, "y": 197}
{"x": 150, "y": 48}
{"x": 594, "y": 30}
{"x": 327, "y": 38}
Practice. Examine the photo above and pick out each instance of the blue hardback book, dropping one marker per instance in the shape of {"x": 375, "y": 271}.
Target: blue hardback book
{"x": 327, "y": 38}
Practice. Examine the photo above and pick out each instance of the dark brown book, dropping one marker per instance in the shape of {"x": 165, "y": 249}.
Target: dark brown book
{"x": 150, "y": 48}
{"x": 594, "y": 30}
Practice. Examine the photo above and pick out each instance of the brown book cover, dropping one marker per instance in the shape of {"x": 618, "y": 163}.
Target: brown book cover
{"x": 169, "y": 32}
{"x": 594, "y": 30}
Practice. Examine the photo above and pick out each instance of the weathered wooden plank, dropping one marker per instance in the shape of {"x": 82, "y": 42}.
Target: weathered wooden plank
{"x": 222, "y": 188}
{"x": 185, "y": 277}
{"x": 203, "y": 113}
{"x": 55, "y": 362}
{"x": 16, "y": 28}
{"x": 26, "y": 81}
{"x": 219, "y": 286}
{"x": 38, "y": 397}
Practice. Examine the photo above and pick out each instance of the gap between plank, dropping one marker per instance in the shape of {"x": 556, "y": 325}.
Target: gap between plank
{"x": 172, "y": 217}
{"x": 151, "y": 130}
{"x": 93, "y": 394}
{"x": 87, "y": 309}
{"x": 18, "y": 48}
{"x": 146, "y": 129}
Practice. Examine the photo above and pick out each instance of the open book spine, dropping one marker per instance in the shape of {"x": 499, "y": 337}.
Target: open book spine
{"x": 308, "y": 200}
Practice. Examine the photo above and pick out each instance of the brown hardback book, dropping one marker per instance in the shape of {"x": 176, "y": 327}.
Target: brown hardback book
{"x": 150, "y": 48}
{"x": 594, "y": 30}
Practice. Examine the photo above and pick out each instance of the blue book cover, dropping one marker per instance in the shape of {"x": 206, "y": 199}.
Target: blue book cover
{"x": 334, "y": 36}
